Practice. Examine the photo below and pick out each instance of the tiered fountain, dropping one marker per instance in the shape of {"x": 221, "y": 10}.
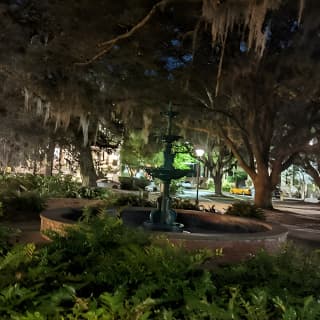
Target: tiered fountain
{"x": 237, "y": 237}
{"x": 163, "y": 218}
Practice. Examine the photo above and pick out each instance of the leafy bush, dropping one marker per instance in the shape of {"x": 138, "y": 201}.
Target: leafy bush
{"x": 93, "y": 193}
{"x": 136, "y": 201}
{"x": 237, "y": 176}
{"x": 51, "y": 186}
{"x": 210, "y": 184}
{"x": 103, "y": 270}
{"x": 130, "y": 183}
{"x": 58, "y": 186}
{"x": 226, "y": 186}
{"x": 5, "y": 234}
{"x": 27, "y": 201}
{"x": 184, "y": 204}
{"x": 245, "y": 209}
{"x": 100, "y": 268}
{"x": 175, "y": 186}
{"x": 129, "y": 200}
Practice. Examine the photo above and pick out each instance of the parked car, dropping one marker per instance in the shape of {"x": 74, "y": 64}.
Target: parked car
{"x": 276, "y": 193}
{"x": 186, "y": 184}
{"x": 152, "y": 187}
{"x": 108, "y": 183}
{"x": 244, "y": 191}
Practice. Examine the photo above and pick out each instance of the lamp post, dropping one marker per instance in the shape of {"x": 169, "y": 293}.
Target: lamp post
{"x": 199, "y": 153}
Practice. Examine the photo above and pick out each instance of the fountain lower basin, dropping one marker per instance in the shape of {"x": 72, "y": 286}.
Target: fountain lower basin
{"x": 238, "y": 238}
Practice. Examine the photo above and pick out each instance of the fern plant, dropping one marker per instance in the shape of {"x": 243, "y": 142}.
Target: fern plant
{"x": 104, "y": 270}
{"x": 245, "y": 209}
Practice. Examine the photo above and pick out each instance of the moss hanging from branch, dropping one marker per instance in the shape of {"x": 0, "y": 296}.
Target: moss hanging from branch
{"x": 249, "y": 13}
{"x": 65, "y": 107}
{"x": 84, "y": 124}
{"x": 301, "y": 7}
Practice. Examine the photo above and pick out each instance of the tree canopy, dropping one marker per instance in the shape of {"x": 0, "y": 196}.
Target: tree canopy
{"x": 243, "y": 70}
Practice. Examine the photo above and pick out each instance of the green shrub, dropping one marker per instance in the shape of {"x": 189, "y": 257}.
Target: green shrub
{"x": 130, "y": 183}
{"x": 175, "y": 187}
{"x": 58, "y": 186}
{"x": 245, "y": 209}
{"x": 226, "y": 186}
{"x": 5, "y": 234}
{"x": 237, "y": 176}
{"x": 104, "y": 270}
{"x": 136, "y": 201}
{"x": 101, "y": 268}
{"x": 27, "y": 201}
{"x": 210, "y": 184}
{"x": 129, "y": 200}
{"x": 184, "y": 204}
{"x": 93, "y": 193}
{"x": 48, "y": 186}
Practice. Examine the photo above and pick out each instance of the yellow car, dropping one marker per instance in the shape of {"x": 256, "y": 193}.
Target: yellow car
{"x": 243, "y": 191}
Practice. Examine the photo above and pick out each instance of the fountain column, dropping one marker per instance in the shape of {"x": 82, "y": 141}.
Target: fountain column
{"x": 163, "y": 218}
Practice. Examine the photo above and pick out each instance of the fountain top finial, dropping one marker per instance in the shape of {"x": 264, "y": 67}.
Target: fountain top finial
{"x": 170, "y": 114}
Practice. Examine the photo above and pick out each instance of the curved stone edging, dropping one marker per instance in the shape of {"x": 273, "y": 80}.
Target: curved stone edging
{"x": 52, "y": 220}
{"x": 235, "y": 246}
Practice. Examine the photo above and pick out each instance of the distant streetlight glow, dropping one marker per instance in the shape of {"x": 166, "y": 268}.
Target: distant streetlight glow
{"x": 199, "y": 152}
{"x": 313, "y": 141}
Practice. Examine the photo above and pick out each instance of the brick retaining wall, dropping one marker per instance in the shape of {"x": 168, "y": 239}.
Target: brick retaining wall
{"x": 235, "y": 246}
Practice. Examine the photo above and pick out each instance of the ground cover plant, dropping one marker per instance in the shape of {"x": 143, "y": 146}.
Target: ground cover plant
{"x": 245, "y": 209}
{"x": 27, "y": 194}
{"x": 104, "y": 270}
{"x": 136, "y": 201}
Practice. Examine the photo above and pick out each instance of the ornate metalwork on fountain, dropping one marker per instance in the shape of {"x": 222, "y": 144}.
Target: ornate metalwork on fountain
{"x": 164, "y": 217}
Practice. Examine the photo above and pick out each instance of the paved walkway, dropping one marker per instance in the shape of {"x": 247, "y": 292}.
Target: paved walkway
{"x": 29, "y": 231}
{"x": 301, "y": 219}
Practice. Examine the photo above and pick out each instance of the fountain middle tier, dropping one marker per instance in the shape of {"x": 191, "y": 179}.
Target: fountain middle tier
{"x": 165, "y": 174}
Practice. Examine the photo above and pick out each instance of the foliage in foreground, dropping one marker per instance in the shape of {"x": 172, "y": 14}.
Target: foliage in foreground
{"x": 28, "y": 193}
{"x": 48, "y": 186}
{"x": 103, "y": 270}
{"x": 245, "y": 209}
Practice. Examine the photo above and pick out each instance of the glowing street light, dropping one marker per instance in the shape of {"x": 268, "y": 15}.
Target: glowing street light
{"x": 199, "y": 154}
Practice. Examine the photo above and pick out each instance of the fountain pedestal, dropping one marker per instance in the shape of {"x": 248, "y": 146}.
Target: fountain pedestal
{"x": 163, "y": 218}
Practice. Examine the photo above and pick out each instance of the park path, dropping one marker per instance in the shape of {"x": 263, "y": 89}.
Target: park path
{"x": 29, "y": 230}
{"x": 301, "y": 219}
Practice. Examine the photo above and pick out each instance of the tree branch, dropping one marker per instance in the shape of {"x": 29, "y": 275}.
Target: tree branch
{"x": 237, "y": 154}
{"x": 312, "y": 172}
{"x": 108, "y": 45}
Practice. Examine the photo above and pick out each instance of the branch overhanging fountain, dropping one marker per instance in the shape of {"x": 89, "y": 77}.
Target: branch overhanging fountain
{"x": 163, "y": 217}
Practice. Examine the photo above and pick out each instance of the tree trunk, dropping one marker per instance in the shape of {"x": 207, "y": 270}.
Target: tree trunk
{"x": 314, "y": 174}
{"x": 59, "y": 161}
{"x": 34, "y": 170}
{"x": 263, "y": 191}
{"x": 217, "y": 184}
{"x": 49, "y": 159}
{"x": 87, "y": 170}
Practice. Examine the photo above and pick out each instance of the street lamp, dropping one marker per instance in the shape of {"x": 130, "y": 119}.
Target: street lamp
{"x": 199, "y": 153}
